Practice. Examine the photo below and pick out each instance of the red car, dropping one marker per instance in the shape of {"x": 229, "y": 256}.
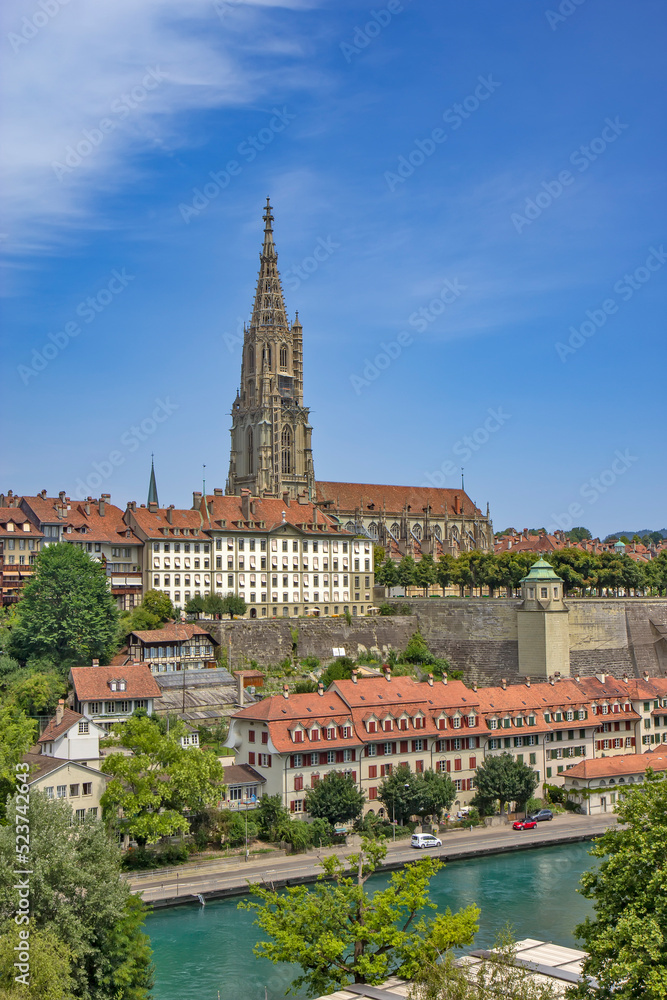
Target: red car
{"x": 524, "y": 824}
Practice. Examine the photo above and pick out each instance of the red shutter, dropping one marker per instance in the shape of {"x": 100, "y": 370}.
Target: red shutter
{"x": 419, "y": 766}
{"x": 393, "y": 748}
{"x": 477, "y": 742}
{"x": 380, "y": 749}
{"x": 307, "y": 759}
{"x": 251, "y": 736}
{"x": 457, "y": 764}
{"x": 291, "y": 760}
{"x": 298, "y": 783}
{"x": 441, "y": 723}
{"x": 339, "y": 756}
{"x": 425, "y": 744}
{"x": 448, "y": 764}
{"x": 373, "y": 771}
{"x": 265, "y": 737}
{"x": 268, "y": 760}
{"x": 354, "y": 754}
{"x": 251, "y": 758}
{"x": 404, "y": 746}
{"x": 354, "y": 776}
{"x": 634, "y": 741}
{"x": 473, "y": 763}
{"x": 372, "y": 793}
{"x": 292, "y": 806}
{"x": 469, "y": 784}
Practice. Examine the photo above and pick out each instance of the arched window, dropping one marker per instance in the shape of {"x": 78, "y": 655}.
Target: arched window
{"x": 283, "y": 357}
{"x": 437, "y": 532}
{"x": 373, "y": 530}
{"x": 250, "y": 451}
{"x": 251, "y": 359}
{"x": 417, "y": 531}
{"x": 286, "y": 445}
{"x": 395, "y": 529}
{"x": 350, "y": 526}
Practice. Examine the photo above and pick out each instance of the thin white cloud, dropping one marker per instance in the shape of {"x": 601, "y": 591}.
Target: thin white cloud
{"x": 142, "y": 65}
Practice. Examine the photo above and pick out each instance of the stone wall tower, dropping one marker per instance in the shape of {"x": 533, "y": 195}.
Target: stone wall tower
{"x": 543, "y": 624}
{"x": 271, "y": 449}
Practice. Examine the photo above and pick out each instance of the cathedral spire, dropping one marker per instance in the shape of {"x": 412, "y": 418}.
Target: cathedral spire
{"x": 152, "y": 486}
{"x": 268, "y": 312}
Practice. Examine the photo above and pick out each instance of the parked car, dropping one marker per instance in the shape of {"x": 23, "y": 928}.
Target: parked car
{"x": 524, "y": 824}
{"x": 542, "y": 814}
{"x": 423, "y": 840}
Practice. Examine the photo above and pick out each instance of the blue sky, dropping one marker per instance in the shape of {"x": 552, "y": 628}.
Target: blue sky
{"x": 477, "y": 178}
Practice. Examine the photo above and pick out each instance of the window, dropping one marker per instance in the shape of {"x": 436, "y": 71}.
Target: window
{"x": 331, "y": 756}
{"x": 83, "y": 727}
{"x": 87, "y": 788}
{"x": 264, "y": 759}
{"x": 61, "y": 791}
{"x": 236, "y": 793}
{"x": 371, "y": 750}
{"x": 297, "y": 760}
{"x": 286, "y": 454}
{"x": 80, "y": 815}
{"x": 73, "y": 791}
{"x": 348, "y": 755}
{"x": 49, "y": 792}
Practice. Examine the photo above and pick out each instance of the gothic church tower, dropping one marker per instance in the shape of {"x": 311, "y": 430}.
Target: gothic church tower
{"x": 271, "y": 433}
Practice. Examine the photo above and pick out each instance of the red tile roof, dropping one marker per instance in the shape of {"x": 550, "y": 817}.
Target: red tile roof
{"x": 173, "y": 632}
{"x": 16, "y": 516}
{"x": 54, "y": 730}
{"x": 370, "y": 497}
{"x": 156, "y": 524}
{"x": 269, "y": 510}
{"x": 41, "y": 765}
{"x": 84, "y": 518}
{"x": 92, "y": 683}
{"x": 603, "y": 767}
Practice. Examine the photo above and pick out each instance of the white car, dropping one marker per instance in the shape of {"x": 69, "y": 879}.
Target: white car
{"x": 423, "y": 840}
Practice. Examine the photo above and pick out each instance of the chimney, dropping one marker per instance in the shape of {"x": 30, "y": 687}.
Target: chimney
{"x": 196, "y": 499}
{"x": 286, "y": 498}
{"x": 646, "y": 675}
{"x": 152, "y": 506}
{"x": 103, "y": 502}
{"x": 527, "y": 682}
{"x": 86, "y": 507}
{"x": 217, "y": 492}
{"x": 354, "y": 676}
{"x": 320, "y": 689}
{"x": 444, "y": 677}
{"x": 601, "y": 677}
{"x": 240, "y": 690}
{"x": 60, "y": 711}
{"x": 625, "y": 678}
{"x": 95, "y": 663}
{"x": 474, "y": 685}
{"x": 577, "y": 678}
{"x": 503, "y": 681}
{"x": 285, "y": 691}
{"x": 430, "y": 680}
{"x": 552, "y": 681}
{"x": 170, "y": 513}
{"x": 387, "y": 672}
{"x": 246, "y": 506}
{"x": 62, "y": 496}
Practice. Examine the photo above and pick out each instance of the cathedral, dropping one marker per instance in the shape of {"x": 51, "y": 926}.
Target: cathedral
{"x": 271, "y": 449}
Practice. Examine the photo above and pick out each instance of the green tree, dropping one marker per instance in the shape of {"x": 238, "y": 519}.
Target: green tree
{"x": 626, "y": 939}
{"x": 158, "y": 603}
{"x": 138, "y": 620}
{"x": 341, "y": 669}
{"x": 272, "y": 816}
{"x": 417, "y": 651}
{"x": 234, "y": 605}
{"x": 194, "y": 606}
{"x": 386, "y": 575}
{"x": 214, "y": 604}
{"x": 505, "y": 779}
{"x": 158, "y": 783}
{"x": 335, "y": 798}
{"x": 399, "y": 793}
{"x": 579, "y": 534}
{"x": 444, "y": 571}
{"x": 407, "y": 569}
{"x": 50, "y": 964}
{"x": 17, "y": 733}
{"x": 339, "y": 933}
{"x": 36, "y": 693}
{"x": 425, "y": 573}
{"x": 78, "y": 896}
{"x": 435, "y": 793}
{"x": 66, "y": 612}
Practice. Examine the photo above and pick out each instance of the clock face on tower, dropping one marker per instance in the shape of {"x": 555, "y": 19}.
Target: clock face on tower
{"x": 271, "y": 450}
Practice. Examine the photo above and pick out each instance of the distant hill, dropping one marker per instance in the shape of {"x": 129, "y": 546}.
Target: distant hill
{"x": 644, "y": 531}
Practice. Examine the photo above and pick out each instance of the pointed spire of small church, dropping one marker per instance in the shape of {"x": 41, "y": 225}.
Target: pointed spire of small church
{"x": 152, "y": 486}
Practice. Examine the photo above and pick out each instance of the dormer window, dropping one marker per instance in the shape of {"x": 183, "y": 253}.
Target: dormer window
{"x": 372, "y": 726}
{"x": 122, "y": 685}
{"x": 388, "y": 725}
{"x": 531, "y": 720}
{"x": 570, "y": 715}
{"x": 456, "y": 722}
{"x": 493, "y": 723}
{"x": 472, "y": 720}
{"x": 112, "y": 685}
{"x": 347, "y": 732}
{"x": 314, "y": 735}
{"x": 605, "y": 709}
{"x": 331, "y": 733}
{"x": 442, "y": 723}
{"x": 298, "y": 736}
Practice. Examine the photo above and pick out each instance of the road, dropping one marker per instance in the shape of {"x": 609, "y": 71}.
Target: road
{"x": 222, "y": 877}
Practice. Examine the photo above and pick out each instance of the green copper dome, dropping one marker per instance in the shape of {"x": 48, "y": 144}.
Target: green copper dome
{"x": 541, "y": 570}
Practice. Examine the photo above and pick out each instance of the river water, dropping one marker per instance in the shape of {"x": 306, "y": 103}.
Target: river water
{"x": 206, "y": 953}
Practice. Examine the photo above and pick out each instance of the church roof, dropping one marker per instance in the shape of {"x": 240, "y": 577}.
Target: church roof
{"x": 371, "y": 497}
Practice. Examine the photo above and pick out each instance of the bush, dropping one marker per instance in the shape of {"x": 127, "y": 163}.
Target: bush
{"x": 305, "y": 687}
{"x": 388, "y": 610}
{"x": 417, "y": 651}
{"x": 533, "y": 805}
{"x": 310, "y": 662}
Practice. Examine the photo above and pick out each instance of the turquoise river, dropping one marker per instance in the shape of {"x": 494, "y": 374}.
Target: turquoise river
{"x": 206, "y": 953}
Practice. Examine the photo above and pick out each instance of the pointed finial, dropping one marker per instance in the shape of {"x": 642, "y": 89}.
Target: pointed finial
{"x": 462, "y": 483}
{"x": 268, "y": 217}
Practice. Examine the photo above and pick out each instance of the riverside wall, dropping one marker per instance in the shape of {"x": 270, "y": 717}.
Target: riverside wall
{"x": 477, "y": 635}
